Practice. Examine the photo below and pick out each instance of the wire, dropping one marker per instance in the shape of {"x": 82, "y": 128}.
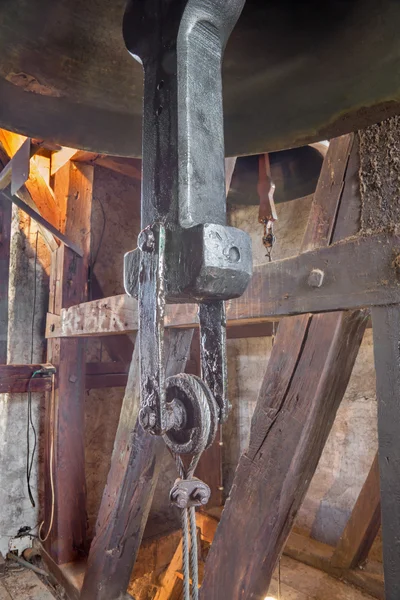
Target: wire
{"x": 50, "y": 466}
{"x": 279, "y": 579}
{"x": 94, "y": 259}
{"x": 30, "y": 424}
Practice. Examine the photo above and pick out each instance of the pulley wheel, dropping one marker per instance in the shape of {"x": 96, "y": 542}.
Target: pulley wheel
{"x": 201, "y": 414}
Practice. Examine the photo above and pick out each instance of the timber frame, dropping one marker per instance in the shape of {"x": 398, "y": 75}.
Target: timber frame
{"x": 324, "y": 346}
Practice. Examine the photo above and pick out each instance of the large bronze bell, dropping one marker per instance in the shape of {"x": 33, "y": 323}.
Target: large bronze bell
{"x": 294, "y": 72}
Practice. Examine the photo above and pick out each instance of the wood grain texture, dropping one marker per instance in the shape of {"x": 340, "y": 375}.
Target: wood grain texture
{"x": 328, "y": 193}
{"x": 18, "y": 379}
{"x": 170, "y": 580}
{"x": 36, "y": 184}
{"x": 386, "y": 334}
{"x": 118, "y": 348}
{"x": 363, "y": 524}
{"x": 306, "y": 377}
{"x": 357, "y": 273}
{"x": 68, "y": 286}
{"x": 310, "y": 552}
{"x": 5, "y": 233}
{"x": 130, "y": 486}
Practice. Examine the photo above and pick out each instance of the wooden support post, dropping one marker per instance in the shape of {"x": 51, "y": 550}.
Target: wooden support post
{"x": 307, "y": 375}
{"x": 362, "y": 526}
{"x": 5, "y": 232}
{"x": 68, "y": 286}
{"x": 130, "y": 486}
{"x": 386, "y": 332}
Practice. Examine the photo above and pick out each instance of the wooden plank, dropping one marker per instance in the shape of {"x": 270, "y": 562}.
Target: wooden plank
{"x": 312, "y": 583}
{"x": 36, "y": 184}
{"x": 155, "y": 554}
{"x": 348, "y": 222}
{"x": 386, "y": 334}
{"x": 119, "y": 348}
{"x": 130, "y": 486}
{"x": 170, "y": 579}
{"x": 309, "y": 552}
{"x": 68, "y": 286}
{"x": 357, "y": 273}
{"x": 316, "y": 554}
{"x": 18, "y": 379}
{"x": 60, "y": 158}
{"x": 329, "y": 189}
{"x": 363, "y": 524}
{"x": 5, "y": 234}
{"x": 131, "y": 167}
{"x": 301, "y": 391}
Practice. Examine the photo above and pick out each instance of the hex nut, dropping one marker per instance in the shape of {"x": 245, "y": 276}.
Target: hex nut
{"x": 147, "y": 417}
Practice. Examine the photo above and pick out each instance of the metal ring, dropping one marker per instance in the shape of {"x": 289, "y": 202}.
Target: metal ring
{"x": 201, "y": 410}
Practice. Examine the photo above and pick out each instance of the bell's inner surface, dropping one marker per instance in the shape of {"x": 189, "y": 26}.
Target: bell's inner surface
{"x": 293, "y": 72}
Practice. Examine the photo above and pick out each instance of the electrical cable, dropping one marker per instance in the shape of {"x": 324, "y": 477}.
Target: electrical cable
{"x": 30, "y": 424}
{"x": 94, "y": 259}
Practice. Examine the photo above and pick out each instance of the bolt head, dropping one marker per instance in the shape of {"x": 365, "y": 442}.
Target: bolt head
{"x": 147, "y": 417}
{"x": 316, "y": 278}
{"x": 146, "y": 240}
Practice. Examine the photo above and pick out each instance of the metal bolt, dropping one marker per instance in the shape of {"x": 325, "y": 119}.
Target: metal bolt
{"x": 316, "y": 278}
{"x": 201, "y": 495}
{"x": 146, "y": 240}
{"x": 147, "y": 417}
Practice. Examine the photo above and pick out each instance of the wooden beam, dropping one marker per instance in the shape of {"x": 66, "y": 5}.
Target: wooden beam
{"x": 18, "y": 378}
{"x": 310, "y": 552}
{"x": 170, "y": 580}
{"x": 319, "y": 555}
{"x": 131, "y": 167}
{"x": 68, "y": 286}
{"x": 363, "y": 525}
{"x": 60, "y": 158}
{"x": 119, "y": 348}
{"x": 5, "y": 235}
{"x": 277, "y": 289}
{"x": 306, "y": 377}
{"x": 133, "y": 475}
{"x": 386, "y": 334}
{"x": 36, "y": 185}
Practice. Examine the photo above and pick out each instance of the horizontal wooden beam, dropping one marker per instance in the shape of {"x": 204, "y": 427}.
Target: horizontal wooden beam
{"x": 19, "y": 378}
{"x": 131, "y": 167}
{"x": 357, "y": 273}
